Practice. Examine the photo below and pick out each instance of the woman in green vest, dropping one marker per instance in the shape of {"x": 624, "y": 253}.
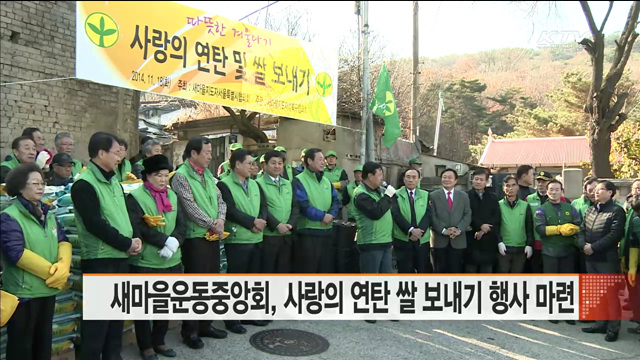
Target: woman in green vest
{"x": 123, "y": 170}
{"x": 154, "y": 212}
{"x": 411, "y": 226}
{"x": 36, "y": 256}
{"x": 516, "y": 230}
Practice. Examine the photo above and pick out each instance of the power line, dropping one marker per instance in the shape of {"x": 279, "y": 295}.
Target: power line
{"x": 262, "y": 8}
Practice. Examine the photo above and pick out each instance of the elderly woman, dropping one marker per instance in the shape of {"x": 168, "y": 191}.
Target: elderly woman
{"x": 36, "y": 256}
{"x": 153, "y": 210}
{"x": 150, "y": 148}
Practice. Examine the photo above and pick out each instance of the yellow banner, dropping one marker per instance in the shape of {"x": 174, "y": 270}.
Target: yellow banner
{"x": 176, "y": 50}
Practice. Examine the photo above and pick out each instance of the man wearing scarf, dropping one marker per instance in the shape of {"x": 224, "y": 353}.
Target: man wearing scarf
{"x": 155, "y": 213}
{"x": 205, "y": 214}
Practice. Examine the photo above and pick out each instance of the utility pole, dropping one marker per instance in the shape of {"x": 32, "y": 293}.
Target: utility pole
{"x": 363, "y": 118}
{"x": 440, "y": 108}
{"x": 415, "y": 90}
{"x": 367, "y": 117}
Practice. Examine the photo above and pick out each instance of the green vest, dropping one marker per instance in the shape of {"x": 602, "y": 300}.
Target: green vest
{"x": 373, "y": 231}
{"x": 627, "y": 233}
{"x": 279, "y": 200}
{"x": 582, "y": 204}
{"x": 11, "y": 164}
{"x": 225, "y": 170}
{"x": 149, "y": 256}
{"x": 112, "y": 208}
{"x": 552, "y": 219}
{"x": 334, "y": 176}
{"x": 320, "y": 197}
{"x": 512, "y": 229}
{"x": 534, "y": 201}
{"x": 352, "y": 207}
{"x": 421, "y": 202}
{"x": 126, "y": 168}
{"x": 77, "y": 168}
{"x": 205, "y": 195}
{"x": 249, "y": 203}
{"x": 41, "y": 240}
{"x": 289, "y": 170}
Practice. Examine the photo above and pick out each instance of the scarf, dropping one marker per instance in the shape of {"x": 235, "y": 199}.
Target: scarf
{"x": 160, "y": 196}
{"x": 198, "y": 169}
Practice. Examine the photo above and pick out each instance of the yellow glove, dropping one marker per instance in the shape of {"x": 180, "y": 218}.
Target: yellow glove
{"x": 337, "y": 185}
{"x": 154, "y": 221}
{"x": 34, "y": 264}
{"x": 60, "y": 270}
{"x": 634, "y": 253}
{"x": 130, "y": 176}
{"x": 2, "y": 190}
{"x": 568, "y": 229}
{"x": 171, "y": 175}
{"x": 8, "y": 305}
{"x": 215, "y": 237}
{"x": 552, "y": 230}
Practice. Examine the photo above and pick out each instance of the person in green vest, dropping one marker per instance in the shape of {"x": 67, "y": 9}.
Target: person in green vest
{"x": 262, "y": 167}
{"x": 337, "y": 176}
{"x": 582, "y": 204}
{"x": 347, "y": 261}
{"x": 155, "y": 212}
{"x": 411, "y": 226}
{"x": 255, "y": 167}
{"x": 374, "y": 220}
{"x": 23, "y": 151}
{"x": 123, "y": 171}
{"x": 631, "y": 257}
{"x": 316, "y": 247}
{"x": 516, "y": 230}
{"x": 287, "y": 172}
{"x": 150, "y": 148}
{"x": 282, "y": 216}
{"x": 36, "y": 257}
{"x": 535, "y": 200}
{"x": 205, "y": 214}
{"x": 629, "y": 305}
{"x": 300, "y": 168}
{"x": 106, "y": 236}
{"x": 557, "y": 223}
{"x": 64, "y": 145}
{"x": 246, "y": 222}
{"x": 223, "y": 169}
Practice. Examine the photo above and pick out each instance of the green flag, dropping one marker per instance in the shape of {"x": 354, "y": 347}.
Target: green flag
{"x": 383, "y": 104}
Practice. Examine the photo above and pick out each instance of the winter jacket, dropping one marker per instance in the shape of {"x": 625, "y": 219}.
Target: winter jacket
{"x": 483, "y": 211}
{"x": 603, "y": 228}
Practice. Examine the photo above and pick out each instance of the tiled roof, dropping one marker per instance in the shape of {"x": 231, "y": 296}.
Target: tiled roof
{"x": 554, "y": 151}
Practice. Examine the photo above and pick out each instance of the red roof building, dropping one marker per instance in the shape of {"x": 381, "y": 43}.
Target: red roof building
{"x": 553, "y": 152}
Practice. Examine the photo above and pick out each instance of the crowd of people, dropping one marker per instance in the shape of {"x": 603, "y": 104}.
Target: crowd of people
{"x": 274, "y": 218}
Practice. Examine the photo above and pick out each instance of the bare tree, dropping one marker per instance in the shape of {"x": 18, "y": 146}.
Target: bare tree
{"x": 605, "y": 105}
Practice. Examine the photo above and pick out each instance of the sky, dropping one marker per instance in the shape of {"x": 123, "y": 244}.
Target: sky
{"x": 445, "y": 27}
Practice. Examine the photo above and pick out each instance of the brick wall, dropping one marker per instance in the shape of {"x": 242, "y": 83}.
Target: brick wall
{"x": 37, "y": 42}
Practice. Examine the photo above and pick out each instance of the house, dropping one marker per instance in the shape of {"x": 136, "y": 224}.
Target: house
{"x": 552, "y": 154}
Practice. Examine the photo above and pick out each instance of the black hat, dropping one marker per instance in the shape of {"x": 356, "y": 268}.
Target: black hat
{"x": 62, "y": 159}
{"x": 156, "y": 163}
{"x": 543, "y": 175}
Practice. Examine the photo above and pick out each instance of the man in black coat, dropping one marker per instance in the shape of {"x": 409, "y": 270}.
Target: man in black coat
{"x": 482, "y": 240}
{"x": 600, "y": 233}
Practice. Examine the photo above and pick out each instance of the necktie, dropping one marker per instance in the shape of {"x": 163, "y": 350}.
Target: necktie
{"x": 411, "y": 197}
{"x": 414, "y": 222}
{"x": 449, "y": 200}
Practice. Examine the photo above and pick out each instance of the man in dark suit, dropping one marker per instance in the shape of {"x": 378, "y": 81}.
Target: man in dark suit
{"x": 482, "y": 240}
{"x": 451, "y": 215}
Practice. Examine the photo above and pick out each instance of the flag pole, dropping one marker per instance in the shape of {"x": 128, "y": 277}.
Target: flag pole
{"x": 367, "y": 134}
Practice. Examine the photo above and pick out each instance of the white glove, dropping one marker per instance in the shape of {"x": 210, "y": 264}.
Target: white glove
{"x": 390, "y": 191}
{"x": 502, "y": 248}
{"x": 42, "y": 158}
{"x": 172, "y": 244}
{"x": 165, "y": 253}
{"x": 528, "y": 250}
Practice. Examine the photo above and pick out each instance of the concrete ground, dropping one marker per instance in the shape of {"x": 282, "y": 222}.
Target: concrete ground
{"x": 425, "y": 340}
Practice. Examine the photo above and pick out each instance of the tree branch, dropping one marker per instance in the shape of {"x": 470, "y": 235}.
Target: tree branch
{"x": 614, "y": 112}
{"x": 587, "y": 13}
{"x": 606, "y": 17}
{"x": 233, "y": 114}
